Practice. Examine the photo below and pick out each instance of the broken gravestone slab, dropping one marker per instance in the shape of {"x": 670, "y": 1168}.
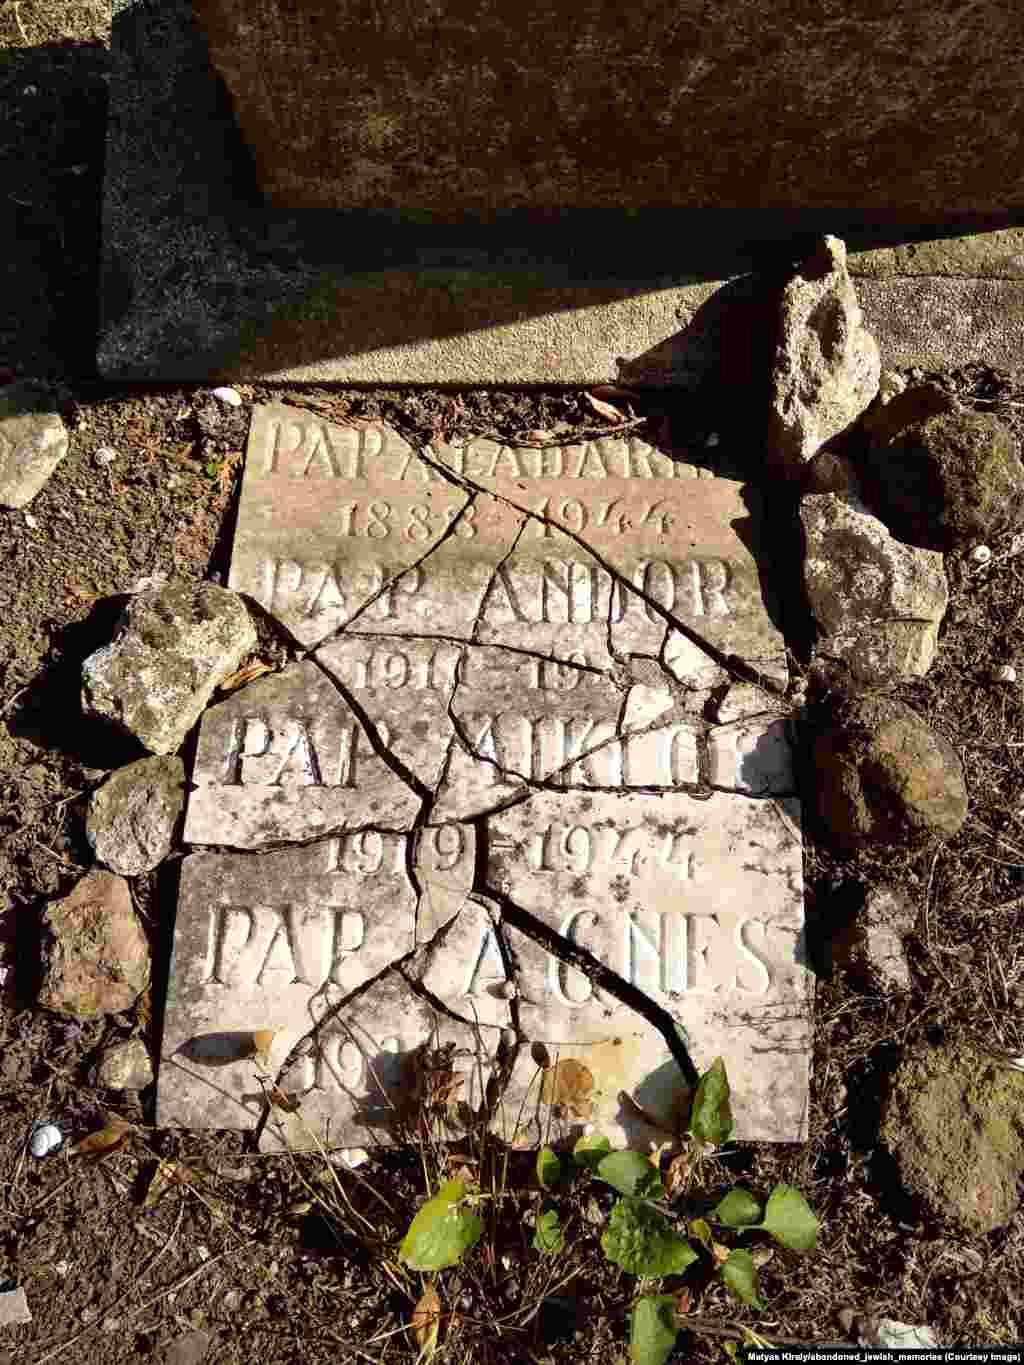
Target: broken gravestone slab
{"x": 332, "y": 517}
{"x": 497, "y": 626}
{"x": 698, "y": 905}
{"x": 287, "y": 759}
{"x": 273, "y": 942}
{"x": 690, "y": 545}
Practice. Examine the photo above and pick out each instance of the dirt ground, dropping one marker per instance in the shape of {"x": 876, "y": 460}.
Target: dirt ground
{"x": 286, "y": 1260}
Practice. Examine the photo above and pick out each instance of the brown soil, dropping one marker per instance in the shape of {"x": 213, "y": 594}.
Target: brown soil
{"x": 263, "y": 1254}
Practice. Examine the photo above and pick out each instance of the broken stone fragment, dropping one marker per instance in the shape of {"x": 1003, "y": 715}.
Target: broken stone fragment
{"x": 134, "y": 816}
{"x": 827, "y": 366}
{"x": 745, "y": 699}
{"x": 754, "y": 756}
{"x": 33, "y": 441}
{"x": 124, "y": 1066}
{"x": 882, "y": 776}
{"x": 95, "y": 955}
{"x": 872, "y": 942}
{"x": 878, "y": 603}
{"x": 316, "y": 571}
{"x": 945, "y": 476}
{"x": 172, "y": 648}
{"x": 954, "y": 1121}
{"x": 287, "y": 758}
{"x": 697, "y": 907}
{"x": 388, "y": 1066}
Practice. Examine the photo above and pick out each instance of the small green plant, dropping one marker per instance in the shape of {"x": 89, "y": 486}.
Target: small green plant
{"x": 638, "y": 1236}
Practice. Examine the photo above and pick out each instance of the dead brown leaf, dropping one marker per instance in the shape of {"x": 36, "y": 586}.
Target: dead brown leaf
{"x": 262, "y": 1041}
{"x": 167, "y": 1173}
{"x": 426, "y": 1320}
{"x": 109, "y": 1139}
{"x": 719, "y": 1252}
{"x": 677, "y": 1177}
{"x": 683, "y": 1301}
{"x": 569, "y": 1083}
{"x": 284, "y": 1100}
{"x": 603, "y": 409}
{"x": 246, "y": 674}
{"x": 441, "y": 1086}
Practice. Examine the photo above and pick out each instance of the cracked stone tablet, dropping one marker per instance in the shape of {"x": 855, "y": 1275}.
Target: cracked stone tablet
{"x": 511, "y": 805}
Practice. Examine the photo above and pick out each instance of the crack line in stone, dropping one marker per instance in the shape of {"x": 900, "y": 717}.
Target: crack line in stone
{"x": 456, "y": 640}
{"x": 310, "y": 841}
{"x": 732, "y": 663}
{"x": 448, "y": 532}
{"x": 381, "y": 749}
{"x": 600, "y": 976}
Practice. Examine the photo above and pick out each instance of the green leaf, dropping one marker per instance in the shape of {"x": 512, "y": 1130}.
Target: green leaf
{"x": 640, "y": 1240}
{"x": 789, "y": 1219}
{"x": 548, "y": 1237}
{"x": 711, "y": 1116}
{"x": 630, "y": 1173}
{"x": 740, "y": 1273}
{"x": 653, "y": 1330}
{"x": 701, "y": 1229}
{"x": 549, "y": 1168}
{"x": 212, "y": 469}
{"x": 590, "y": 1150}
{"x": 739, "y": 1209}
{"x": 441, "y": 1231}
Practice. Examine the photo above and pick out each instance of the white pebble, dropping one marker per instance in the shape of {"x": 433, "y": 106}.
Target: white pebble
{"x": 104, "y": 455}
{"x": 1005, "y": 673}
{"x": 981, "y": 554}
{"x": 712, "y": 439}
{"x": 354, "y": 1157}
{"x": 46, "y": 1137}
{"x": 230, "y": 396}
{"x": 30, "y": 521}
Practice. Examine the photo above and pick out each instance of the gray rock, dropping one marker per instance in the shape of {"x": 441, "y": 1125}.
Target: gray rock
{"x": 877, "y": 602}
{"x": 14, "y": 1308}
{"x": 134, "y": 816}
{"x": 954, "y": 1121}
{"x": 172, "y": 648}
{"x": 887, "y": 1333}
{"x": 943, "y": 476}
{"x": 124, "y": 1066}
{"x": 190, "y": 1349}
{"x": 826, "y": 366}
{"x": 95, "y": 955}
{"x": 33, "y": 441}
{"x": 881, "y": 776}
{"x": 873, "y": 942}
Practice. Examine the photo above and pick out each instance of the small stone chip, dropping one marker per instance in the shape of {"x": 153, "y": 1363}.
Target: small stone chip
{"x": 14, "y": 1308}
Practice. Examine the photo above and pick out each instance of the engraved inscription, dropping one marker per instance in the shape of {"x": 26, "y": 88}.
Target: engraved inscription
{"x": 635, "y": 850}
{"x": 392, "y": 667}
{"x": 666, "y": 953}
{"x": 314, "y": 588}
{"x": 575, "y": 514}
{"x": 607, "y": 457}
{"x": 581, "y": 752}
{"x": 310, "y": 449}
{"x": 270, "y": 753}
{"x": 261, "y": 945}
{"x": 378, "y": 520}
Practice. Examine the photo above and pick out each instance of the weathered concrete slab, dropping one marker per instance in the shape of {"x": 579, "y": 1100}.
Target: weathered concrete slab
{"x": 502, "y": 108}
{"x": 202, "y": 280}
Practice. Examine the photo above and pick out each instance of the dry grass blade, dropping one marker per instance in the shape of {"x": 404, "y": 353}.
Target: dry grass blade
{"x": 426, "y": 1320}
